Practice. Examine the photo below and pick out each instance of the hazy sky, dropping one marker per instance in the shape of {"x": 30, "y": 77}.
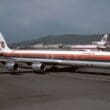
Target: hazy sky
{"x": 30, "y": 19}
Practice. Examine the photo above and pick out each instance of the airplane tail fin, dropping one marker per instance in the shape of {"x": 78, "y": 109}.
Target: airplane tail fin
{"x": 104, "y": 39}
{"x": 3, "y": 44}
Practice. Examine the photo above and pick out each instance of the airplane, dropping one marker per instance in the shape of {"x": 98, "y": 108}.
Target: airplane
{"x": 39, "y": 59}
{"x": 102, "y": 41}
{"x": 100, "y": 45}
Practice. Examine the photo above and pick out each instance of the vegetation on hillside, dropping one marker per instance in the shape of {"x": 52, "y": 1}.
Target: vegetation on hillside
{"x": 63, "y": 39}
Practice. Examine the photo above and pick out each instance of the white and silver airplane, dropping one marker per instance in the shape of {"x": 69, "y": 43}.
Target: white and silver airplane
{"x": 38, "y": 59}
{"x": 100, "y": 45}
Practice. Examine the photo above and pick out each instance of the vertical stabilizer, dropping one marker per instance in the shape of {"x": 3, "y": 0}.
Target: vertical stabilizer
{"x": 104, "y": 39}
{"x": 3, "y": 44}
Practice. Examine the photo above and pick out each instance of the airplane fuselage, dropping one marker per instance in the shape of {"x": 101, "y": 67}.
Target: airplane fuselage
{"x": 75, "y": 58}
{"x": 82, "y": 47}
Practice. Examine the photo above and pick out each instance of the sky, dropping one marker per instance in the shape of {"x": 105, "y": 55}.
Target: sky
{"x": 31, "y": 19}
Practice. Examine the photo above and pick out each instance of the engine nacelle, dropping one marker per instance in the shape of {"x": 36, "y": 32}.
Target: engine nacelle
{"x": 38, "y": 67}
{"x": 12, "y": 66}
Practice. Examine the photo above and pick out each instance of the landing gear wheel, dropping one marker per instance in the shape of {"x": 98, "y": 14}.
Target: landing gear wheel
{"x": 53, "y": 67}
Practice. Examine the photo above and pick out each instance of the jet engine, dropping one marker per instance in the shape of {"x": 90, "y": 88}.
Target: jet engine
{"x": 12, "y": 66}
{"x": 38, "y": 67}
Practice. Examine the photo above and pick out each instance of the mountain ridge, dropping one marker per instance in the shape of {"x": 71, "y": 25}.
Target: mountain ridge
{"x": 62, "y": 39}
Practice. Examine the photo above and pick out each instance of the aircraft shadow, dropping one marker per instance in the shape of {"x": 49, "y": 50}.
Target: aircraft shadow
{"x": 60, "y": 69}
{"x": 57, "y": 70}
{"x": 79, "y": 71}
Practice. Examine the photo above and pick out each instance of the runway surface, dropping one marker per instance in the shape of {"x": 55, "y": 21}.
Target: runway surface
{"x": 63, "y": 89}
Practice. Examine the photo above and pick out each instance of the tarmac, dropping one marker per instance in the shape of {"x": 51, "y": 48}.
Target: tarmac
{"x": 61, "y": 89}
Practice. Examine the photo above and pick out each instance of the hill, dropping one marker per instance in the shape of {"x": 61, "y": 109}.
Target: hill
{"x": 63, "y": 39}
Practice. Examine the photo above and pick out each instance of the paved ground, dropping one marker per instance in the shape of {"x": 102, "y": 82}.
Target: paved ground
{"x": 82, "y": 90}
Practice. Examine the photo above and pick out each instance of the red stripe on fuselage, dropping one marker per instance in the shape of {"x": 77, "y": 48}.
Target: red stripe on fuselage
{"x": 58, "y": 56}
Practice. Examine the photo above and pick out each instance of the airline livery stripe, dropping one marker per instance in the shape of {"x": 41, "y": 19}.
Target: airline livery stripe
{"x": 60, "y": 56}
